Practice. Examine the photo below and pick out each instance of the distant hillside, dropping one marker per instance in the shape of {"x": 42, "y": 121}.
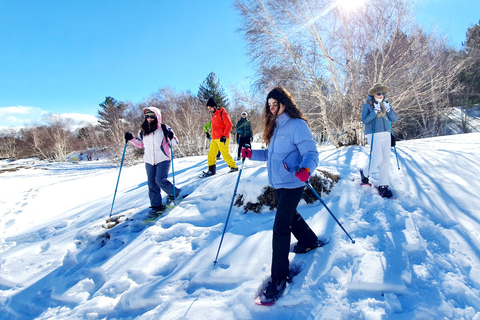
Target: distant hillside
{"x": 455, "y": 125}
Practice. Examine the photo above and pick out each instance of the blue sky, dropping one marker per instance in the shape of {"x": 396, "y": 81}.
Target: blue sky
{"x": 65, "y": 57}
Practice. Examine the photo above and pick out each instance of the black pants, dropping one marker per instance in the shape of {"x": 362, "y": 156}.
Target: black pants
{"x": 287, "y": 221}
{"x": 241, "y": 143}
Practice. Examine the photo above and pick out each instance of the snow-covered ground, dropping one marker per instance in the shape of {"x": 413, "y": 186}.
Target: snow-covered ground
{"x": 416, "y": 257}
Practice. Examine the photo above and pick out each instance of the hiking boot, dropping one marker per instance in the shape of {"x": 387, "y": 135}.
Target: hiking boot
{"x": 385, "y": 192}
{"x": 211, "y": 171}
{"x": 274, "y": 290}
{"x": 155, "y": 212}
{"x": 300, "y": 249}
{"x": 233, "y": 169}
{"x": 171, "y": 198}
{"x": 364, "y": 179}
{"x": 208, "y": 173}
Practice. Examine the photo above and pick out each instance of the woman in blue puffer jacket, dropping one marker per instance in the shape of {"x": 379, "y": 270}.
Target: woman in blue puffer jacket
{"x": 291, "y": 156}
{"x": 377, "y": 114}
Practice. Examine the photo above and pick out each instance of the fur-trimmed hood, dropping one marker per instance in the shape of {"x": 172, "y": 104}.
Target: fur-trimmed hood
{"x": 377, "y": 88}
{"x": 157, "y": 112}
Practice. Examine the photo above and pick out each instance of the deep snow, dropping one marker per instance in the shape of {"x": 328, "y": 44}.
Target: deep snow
{"x": 416, "y": 257}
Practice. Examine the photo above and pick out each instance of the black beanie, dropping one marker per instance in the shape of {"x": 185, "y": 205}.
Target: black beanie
{"x": 211, "y": 103}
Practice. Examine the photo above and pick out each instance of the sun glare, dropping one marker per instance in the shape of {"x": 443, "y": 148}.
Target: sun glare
{"x": 350, "y": 5}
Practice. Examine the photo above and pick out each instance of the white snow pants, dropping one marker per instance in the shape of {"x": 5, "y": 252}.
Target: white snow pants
{"x": 380, "y": 156}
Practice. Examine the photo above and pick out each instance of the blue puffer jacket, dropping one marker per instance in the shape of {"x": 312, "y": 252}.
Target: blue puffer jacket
{"x": 382, "y": 123}
{"x": 291, "y": 147}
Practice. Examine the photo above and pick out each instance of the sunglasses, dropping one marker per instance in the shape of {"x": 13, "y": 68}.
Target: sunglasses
{"x": 381, "y": 94}
{"x": 151, "y": 117}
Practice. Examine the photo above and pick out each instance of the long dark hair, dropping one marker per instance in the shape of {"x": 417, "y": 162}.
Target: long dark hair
{"x": 282, "y": 96}
{"x": 148, "y": 128}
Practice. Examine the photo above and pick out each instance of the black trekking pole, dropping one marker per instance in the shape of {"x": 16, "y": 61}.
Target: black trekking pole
{"x": 229, "y": 211}
{"x": 118, "y": 179}
{"x": 394, "y": 146}
{"x": 316, "y": 194}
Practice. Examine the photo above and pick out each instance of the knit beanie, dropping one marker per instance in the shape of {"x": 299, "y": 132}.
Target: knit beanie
{"x": 149, "y": 112}
{"x": 211, "y": 103}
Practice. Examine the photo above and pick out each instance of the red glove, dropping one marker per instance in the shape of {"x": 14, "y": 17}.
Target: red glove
{"x": 303, "y": 174}
{"x": 246, "y": 153}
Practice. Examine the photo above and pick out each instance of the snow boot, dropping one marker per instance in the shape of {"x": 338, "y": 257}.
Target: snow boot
{"x": 385, "y": 192}
{"x": 364, "y": 179}
{"x": 298, "y": 249}
{"x": 156, "y": 211}
{"x": 171, "y": 198}
{"x": 211, "y": 171}
{"x": 274, "y": 290}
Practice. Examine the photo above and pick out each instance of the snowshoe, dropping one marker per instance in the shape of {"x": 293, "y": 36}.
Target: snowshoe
{"x": 170, "y": 199}
{"x": 384, "y": 191}
{"x": 155, "y": 212}
{"x": 273, "y": 290}
{"x": 206, "y": 174}
{"x": 298, "y": 249}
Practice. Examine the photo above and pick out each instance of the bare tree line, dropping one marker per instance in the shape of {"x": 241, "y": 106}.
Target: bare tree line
{"x": 329, "y": 57}
{"x": 325, "y": 56}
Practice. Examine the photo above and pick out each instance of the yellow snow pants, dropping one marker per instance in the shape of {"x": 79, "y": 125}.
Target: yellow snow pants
{"x": 216, "y": 145}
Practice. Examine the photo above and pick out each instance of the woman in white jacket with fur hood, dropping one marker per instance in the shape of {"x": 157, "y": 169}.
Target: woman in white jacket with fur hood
{"x": 155, "y": 139}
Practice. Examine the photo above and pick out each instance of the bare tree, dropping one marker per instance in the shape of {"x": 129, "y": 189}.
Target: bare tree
{"x": 329, "y": 57}
{"x": 8, "y": 143}
{"x": 59, "y": 136}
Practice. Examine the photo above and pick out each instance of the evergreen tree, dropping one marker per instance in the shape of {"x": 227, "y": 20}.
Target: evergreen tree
{"x": 112, "y": 119}
{"x": 471, "y": 75}
{"x": 211, "y": 88}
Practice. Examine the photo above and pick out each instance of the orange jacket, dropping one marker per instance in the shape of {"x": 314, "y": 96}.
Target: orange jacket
{"x": 221, "y": 124}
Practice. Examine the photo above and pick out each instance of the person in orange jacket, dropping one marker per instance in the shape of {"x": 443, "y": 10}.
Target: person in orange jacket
{"x": 221, "y": 126}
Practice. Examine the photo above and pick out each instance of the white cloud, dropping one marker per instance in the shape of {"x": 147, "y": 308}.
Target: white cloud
{"x": 80, "y": 117}
{"x": 21, "y": 116}
{"x": 18, "y": 116}
{"x": 4, "y": 111}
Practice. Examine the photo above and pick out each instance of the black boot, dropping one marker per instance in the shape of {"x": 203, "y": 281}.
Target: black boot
{"x": 211, "y": 171}
{"x": 364, "y": 179}
{"x": 385, "y": 192}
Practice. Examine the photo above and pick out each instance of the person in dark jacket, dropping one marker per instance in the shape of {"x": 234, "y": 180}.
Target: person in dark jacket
{"x": 244, "y": 133}
{"x": 291, "y": 157}
{"x": 377, "y": 115}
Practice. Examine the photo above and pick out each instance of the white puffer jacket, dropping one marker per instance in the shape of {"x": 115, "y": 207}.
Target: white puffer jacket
{"x": 155, "y": 145}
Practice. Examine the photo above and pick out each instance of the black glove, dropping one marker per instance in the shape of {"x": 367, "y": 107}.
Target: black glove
{"x": 223, "y": 139}
{"x": 128, "y": 136}
{"x": 208, "y": 135}
{"x": 170, "y": 135}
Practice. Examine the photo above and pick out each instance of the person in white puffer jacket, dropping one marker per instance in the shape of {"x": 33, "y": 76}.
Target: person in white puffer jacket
{"x": 155, "y": 138}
